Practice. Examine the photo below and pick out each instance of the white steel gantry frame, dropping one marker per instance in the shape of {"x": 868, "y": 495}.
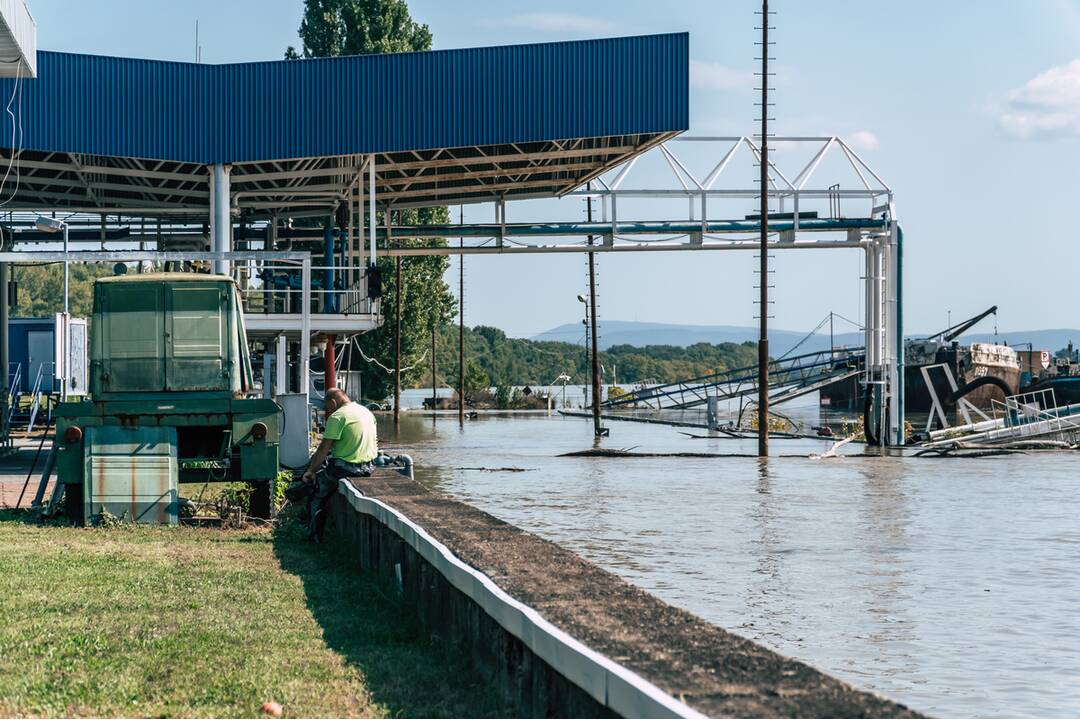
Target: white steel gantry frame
{"x": 876, "y": 230}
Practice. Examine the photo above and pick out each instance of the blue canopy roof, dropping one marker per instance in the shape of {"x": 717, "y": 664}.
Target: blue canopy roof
{"x": 252, "y": 112}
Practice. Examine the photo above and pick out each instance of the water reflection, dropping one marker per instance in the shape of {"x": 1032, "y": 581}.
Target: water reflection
{"x": 764, "y": 596}
{"x": 884, "y": 583}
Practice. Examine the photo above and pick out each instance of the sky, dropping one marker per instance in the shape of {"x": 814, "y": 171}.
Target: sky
{"x": 969, "y": 110}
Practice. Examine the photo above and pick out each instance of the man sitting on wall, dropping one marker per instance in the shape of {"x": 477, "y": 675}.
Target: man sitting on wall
{"x": 350, "y": 441}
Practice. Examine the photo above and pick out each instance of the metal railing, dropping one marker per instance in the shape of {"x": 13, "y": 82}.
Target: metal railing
{"x": 1034, "y": 414}
{"x": 45, "y": 369}
{"x": 272, "y": 287}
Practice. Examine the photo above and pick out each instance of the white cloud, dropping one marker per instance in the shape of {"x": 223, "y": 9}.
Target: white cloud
{"x": 1047, "y": 105}
{"x": 862, "y": 140}
{"x": 552, "y": 22}
{"x": 713, "y": 76}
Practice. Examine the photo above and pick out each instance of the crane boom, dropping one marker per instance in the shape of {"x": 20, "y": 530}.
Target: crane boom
{"x": 950, "y": 334}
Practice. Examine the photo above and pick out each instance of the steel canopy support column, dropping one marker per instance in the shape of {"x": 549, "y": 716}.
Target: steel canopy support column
{"x": 360, "y": 227}
{"x": 305, "y": 327}
{"x": 874, "y": 356}
{"x": 371, "y": 209}
{"x": 896, "y": 332}
{"x": 65, "y": 331}
{"x": 870, "y": 362}
{"x": 884, "y": 347}
{"x": 281, "y": 365}
{"x": 885, "y": 341}
{"x": 220, "y": 215}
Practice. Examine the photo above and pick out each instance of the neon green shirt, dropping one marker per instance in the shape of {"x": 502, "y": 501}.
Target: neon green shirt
{"x": 352, "y": 428}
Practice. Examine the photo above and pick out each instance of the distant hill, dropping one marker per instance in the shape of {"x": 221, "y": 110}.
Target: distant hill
{"x": 640, "y": 334}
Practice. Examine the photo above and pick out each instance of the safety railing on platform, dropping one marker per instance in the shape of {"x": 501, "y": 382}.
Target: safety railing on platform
{"x": 275, "y": 287}
{"x": 1035, "y": 414}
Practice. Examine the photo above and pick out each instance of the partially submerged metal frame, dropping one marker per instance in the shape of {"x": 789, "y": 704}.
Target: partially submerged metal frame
{"x": 877, "y": 232}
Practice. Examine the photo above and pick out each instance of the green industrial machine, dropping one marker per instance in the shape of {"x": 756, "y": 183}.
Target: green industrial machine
{"x": 169, "y": 370}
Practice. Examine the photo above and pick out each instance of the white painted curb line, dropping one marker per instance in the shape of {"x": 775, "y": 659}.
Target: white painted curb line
{"x": 611, "y": 684}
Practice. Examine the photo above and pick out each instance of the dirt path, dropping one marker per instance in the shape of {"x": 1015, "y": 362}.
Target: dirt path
{"x": 717, "y": 672}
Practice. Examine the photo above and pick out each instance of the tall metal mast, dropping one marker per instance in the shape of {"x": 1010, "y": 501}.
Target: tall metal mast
{"x": 592, "y": 324}
{"x": 397, "y": 341}
{"x": 434, "y": 386}
{"x": 763, "y": 279}
{"x": 461, "y": 324}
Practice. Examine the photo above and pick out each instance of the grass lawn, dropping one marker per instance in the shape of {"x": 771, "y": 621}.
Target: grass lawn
{"x": 208, "y": 622}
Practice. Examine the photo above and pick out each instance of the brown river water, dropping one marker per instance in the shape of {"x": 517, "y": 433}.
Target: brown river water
{"x": 950, "y": 585}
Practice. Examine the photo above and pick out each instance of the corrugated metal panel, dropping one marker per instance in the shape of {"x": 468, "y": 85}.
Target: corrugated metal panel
{"x": 374, "y": 103}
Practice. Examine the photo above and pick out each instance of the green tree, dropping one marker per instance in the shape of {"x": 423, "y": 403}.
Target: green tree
{"x": 516, "y": 361}
{"x": 41, "y": 289}
{"x": 477, "y": 383}
{"x": 358, "y": 27}
{"x": 365, "y": 27}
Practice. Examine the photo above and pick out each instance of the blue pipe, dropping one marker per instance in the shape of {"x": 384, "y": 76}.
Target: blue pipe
{"x": 330, "y": 305}
{"x": 344, "y": 253}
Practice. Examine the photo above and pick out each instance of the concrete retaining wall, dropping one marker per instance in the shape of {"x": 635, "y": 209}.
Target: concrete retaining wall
{"x": 537, "y": 666}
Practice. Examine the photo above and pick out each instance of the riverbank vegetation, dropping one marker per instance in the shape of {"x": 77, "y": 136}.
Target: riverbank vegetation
{"x": 492, "y": 359}
{"x": 157, "y": 621}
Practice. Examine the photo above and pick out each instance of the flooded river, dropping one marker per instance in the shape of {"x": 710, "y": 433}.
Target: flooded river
{"x": 949, "y": 585}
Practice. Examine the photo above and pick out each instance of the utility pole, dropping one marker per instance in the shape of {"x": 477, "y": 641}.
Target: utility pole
{"x": 592, "y": 323}
{"x": 434, "y": 392}
{"x": 461, "y": 322}
{"x": 397, "y": 340}
{"x": 763, "y": 338}
{"x": 832, "y": 346}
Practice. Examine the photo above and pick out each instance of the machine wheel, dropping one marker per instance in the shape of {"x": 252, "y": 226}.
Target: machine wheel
{"x": 73, "y": 503}
{"x": 262, "y": 499}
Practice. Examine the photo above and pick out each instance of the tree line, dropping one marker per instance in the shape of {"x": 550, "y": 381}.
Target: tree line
{"x": 494, "y": 359}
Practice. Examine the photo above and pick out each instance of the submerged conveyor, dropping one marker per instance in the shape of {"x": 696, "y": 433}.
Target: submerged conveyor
{"x": 790, "y": 377}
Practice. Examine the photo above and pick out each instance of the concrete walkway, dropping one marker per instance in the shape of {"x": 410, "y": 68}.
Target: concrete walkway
{"x": 14, "y": 468}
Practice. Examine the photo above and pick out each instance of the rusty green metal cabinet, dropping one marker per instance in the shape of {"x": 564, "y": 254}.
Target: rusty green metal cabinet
{"x": 131, "y": 473}
{"x": 169, "y": 367}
